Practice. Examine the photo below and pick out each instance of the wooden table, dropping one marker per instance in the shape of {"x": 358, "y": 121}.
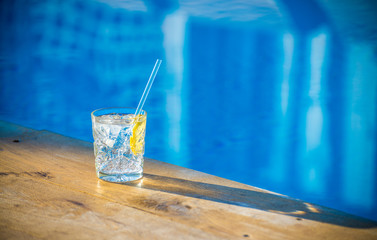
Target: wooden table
{"x": 49, "y": 190}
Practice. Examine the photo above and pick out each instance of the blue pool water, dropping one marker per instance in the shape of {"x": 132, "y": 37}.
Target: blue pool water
{"x": 278, "y": 94}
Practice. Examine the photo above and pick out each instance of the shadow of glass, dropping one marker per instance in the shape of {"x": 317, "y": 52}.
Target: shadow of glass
{"x": 251, "y": 199}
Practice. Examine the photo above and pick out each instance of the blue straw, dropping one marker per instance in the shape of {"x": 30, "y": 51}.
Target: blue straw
{"x": 148, "y": 87}
{"x": 120, "y": 139}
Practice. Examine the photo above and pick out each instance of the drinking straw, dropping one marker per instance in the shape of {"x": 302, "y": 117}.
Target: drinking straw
{"x": 148, "y": 87}
{"x": 120, "y": 139}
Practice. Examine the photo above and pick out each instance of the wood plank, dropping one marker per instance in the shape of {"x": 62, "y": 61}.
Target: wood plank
{"x": 49, "y": 190}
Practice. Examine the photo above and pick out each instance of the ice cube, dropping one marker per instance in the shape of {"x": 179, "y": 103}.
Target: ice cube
{"x": 109, "y": 142}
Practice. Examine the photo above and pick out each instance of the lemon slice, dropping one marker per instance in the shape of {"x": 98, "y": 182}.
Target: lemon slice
{"x": 138, "y": 133}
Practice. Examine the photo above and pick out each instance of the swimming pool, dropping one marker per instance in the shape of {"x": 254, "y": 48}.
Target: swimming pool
{"x": 280, "y": 95}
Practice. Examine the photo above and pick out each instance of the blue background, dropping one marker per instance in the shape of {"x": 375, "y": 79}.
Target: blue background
{"x": 278, "y": 94}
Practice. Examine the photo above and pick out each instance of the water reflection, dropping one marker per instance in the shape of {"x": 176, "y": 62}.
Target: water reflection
{"x": 276, "y": 94}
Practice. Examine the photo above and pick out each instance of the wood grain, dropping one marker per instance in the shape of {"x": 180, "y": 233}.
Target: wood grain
{"x": 49, "y": 190}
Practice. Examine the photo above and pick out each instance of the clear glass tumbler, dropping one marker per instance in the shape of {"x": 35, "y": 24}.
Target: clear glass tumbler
{"x": 119, "y": 143}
